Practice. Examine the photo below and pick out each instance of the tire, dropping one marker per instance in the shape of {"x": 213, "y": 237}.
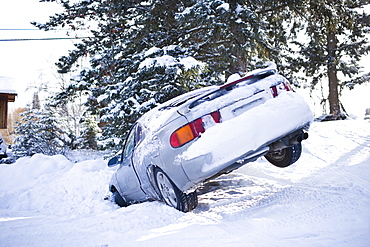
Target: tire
{"x": 117, "y": 198}
{"x": 285, "y": 157}
{"x": 172, "y": 196}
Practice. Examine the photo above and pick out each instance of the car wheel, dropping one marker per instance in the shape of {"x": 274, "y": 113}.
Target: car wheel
{"x": 117, "y": 198}
{"x": 286, "y": 156}
{"x": 172, "y": 196}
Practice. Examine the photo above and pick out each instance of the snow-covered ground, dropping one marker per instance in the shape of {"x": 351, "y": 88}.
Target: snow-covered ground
{"x": 322, "y": 200}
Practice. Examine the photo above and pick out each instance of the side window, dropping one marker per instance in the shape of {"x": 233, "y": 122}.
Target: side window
{"x": 139, "y": 134}
{"x": 130, "y": 143}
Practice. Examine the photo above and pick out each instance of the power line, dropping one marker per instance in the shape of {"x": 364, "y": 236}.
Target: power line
{"x": 42, "y": 39}
{"x": 18, "y": 29}
{"x": 36, "y": 29}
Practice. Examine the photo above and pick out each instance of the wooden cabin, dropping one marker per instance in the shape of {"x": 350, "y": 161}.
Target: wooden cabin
{"x": 5, "y": 97}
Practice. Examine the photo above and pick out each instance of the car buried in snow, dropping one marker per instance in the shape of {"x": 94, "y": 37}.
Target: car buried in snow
{"x": 171, "y": 150}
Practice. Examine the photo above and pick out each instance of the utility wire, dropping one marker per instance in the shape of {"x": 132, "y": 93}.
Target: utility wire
{"x": 42, "y": 39}
{"x": 35, "y": 29}
{"x": 18, "y": 29}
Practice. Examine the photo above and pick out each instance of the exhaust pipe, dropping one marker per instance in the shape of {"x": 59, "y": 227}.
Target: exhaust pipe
{"x": 305, "y": 136}
{"x": 299, "y": 138}
{"x": 288, "y": 141}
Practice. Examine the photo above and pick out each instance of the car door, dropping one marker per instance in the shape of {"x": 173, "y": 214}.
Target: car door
{"x": 127, "y": 179}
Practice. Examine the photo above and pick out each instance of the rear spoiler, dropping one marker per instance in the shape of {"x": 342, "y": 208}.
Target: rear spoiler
{"x": 252, "y": 77}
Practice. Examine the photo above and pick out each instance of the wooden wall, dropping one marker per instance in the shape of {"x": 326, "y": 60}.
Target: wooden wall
{"x": 3, "y": 111}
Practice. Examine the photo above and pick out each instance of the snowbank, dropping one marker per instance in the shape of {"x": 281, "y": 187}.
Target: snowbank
{"x": 321, "y": 200}
{"x": 53, "y": 185}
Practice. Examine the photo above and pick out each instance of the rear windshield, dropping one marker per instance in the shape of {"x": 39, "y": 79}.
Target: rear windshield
{"x": 179, "y": 100}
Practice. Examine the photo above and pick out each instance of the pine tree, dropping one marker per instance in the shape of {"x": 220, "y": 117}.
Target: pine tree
{"x": 336, "y": 32}
{"x": 36, "y": 101}
{"x": 88, "y": 138}
{"x": 38, "y": 132}
{"x": 118, "y": 89}
{"x": 235, "y": 36}
{"x": 139, "y": 51}
{"x": 157, "y": 79}
{"x": 219, "y": 33}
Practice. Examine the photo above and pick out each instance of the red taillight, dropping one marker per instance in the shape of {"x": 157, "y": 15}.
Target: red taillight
{"x": 216, "y": 116}
{"x": 197, "y": 127}
{"x": 275, "y": 90}
{"x": 287, "y": 86}
{"x": 191, "y": 131}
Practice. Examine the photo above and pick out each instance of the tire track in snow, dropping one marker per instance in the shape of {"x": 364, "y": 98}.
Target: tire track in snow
{"x": 312, "y": 206}
{"x": 233, "y": 193}
{"x": 325, "y": 201}
{"x": 342, "y": 172}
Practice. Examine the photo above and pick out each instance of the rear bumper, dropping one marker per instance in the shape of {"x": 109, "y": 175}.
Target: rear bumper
{"x": 246, "y": 137}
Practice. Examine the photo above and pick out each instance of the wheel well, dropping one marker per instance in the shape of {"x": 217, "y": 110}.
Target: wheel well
{"x": 150, "y": 172}
{"x": 113, "y": 189}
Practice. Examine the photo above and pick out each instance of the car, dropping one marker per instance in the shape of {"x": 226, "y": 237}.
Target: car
{"x": 174, "y": 148}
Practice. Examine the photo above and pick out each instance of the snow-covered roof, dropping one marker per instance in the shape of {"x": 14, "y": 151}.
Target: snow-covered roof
{"x": 6, "y": 85}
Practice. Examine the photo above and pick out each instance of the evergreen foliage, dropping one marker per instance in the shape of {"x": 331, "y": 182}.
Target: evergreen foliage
{"x": 38, "y": 132}
{"x": 156, "y": 81}
{"x": 88, "y": 138}
{"x": 337, "y": 39}
{"x": 143, "y": 53}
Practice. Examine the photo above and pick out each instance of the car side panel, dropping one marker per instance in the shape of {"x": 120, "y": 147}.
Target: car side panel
{"x": 128, "y": 182}
{"x": 168, "y": 155}
{"x": 146, "y": 155}
{"x": 155, "y": 151}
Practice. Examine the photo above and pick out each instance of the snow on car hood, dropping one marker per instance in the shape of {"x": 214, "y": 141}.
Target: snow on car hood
{"x": 251, "y": 130}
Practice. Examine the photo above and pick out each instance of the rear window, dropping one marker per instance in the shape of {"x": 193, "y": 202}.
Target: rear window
{"x": 179, "y": 100}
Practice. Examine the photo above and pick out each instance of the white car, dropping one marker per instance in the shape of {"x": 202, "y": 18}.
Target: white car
{"x": 174, "y": 148}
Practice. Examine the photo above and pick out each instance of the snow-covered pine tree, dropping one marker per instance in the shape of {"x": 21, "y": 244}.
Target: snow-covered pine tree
{"x": 234, "y": 36}
{"x": 38, "y": 132}
{"x": 337, "y": 33}
{"x": 109, "y": 49}
{"x": 156, "y": 80}
{"x": 222, "y": 37}
{"x": 88, "y": 138}
{"x": 115, "y": 82}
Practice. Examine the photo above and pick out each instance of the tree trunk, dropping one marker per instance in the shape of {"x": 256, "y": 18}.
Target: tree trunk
{"x": 238, "y": 40}
{"x": 332, "y": 76}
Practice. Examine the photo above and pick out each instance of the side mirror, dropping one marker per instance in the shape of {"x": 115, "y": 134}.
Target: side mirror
{"x": 113, "y": 162}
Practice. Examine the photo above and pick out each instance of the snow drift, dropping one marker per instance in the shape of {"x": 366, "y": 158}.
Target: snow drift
{"x": 321, "y": 200}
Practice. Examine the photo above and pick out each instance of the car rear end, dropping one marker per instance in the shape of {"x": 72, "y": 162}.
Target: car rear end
{"x": 230, "y": 125}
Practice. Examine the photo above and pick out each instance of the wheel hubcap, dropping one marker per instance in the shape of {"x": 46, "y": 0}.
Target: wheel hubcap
{"x": 278, "y": 155}
{"x": 166, "y": 189}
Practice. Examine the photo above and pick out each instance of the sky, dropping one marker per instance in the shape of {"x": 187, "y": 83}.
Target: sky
{"x": 24, "y": 64}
